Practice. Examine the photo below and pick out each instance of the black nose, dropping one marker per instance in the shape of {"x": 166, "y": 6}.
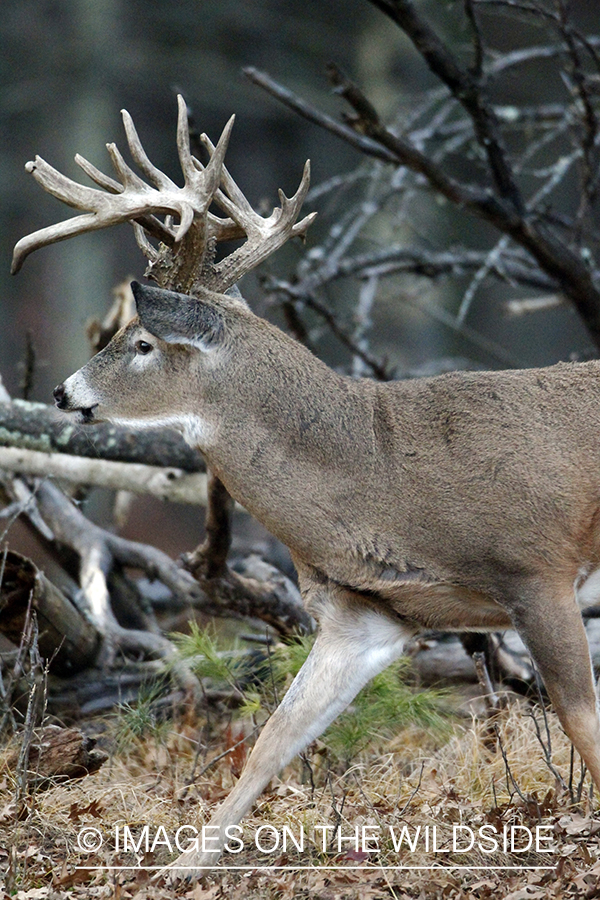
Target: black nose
{"x": 59, "y": 393}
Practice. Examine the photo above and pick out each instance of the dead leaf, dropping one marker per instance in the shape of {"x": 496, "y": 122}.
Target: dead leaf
{"x": 92, "y": 809}
{"x": 199, "y": 892}
{"x": 527, "y": 893}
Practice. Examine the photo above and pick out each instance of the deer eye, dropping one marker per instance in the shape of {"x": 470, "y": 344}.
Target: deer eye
{"x": 143, "y": 348}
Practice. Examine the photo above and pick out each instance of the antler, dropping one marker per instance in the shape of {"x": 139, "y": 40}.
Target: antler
{"x": 184, "y": 258}
{"x": 264, "y": 235}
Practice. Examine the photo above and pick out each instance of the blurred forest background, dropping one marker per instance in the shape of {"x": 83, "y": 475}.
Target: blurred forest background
{"x": 68, "y": 66}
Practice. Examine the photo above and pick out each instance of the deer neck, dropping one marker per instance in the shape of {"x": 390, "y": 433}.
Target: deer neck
{"x": 291, "y": 439}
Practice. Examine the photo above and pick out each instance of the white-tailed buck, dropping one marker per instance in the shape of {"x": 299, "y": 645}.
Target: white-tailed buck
{"x": 470, "y": 501}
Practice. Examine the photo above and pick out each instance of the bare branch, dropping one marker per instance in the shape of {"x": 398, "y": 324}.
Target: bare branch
{"x": 378, "y": 369}
{"x": 35, "y": 426}
{"x": 365, "y": 145}
{"x": 209, "y": 560}
{"x": 170, "y": 484}
{"x": 563, "y": 265}
{"x": 514, "y": 265}
{"x": 467, "y": 89}
{"x": 405, "y": 152}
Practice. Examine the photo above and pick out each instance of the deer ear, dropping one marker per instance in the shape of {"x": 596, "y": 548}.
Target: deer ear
{"x": 177, "y": 318}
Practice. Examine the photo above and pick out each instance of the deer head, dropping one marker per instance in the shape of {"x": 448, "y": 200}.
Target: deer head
{"x": 170, "y": 365}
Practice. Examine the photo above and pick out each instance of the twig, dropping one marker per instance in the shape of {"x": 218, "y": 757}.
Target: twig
{"x": 291, "y": 100}
{"x": 379, "y": 370}
{"x": 547, "y": 749}
{"x": 34, "y": 710}
{"x": 414, "y": 792}
{"x": 509, "y": 774}
{"x": 494, "y": 350}
{"x": 513, "y": 265}
{"x": 229, "y": 750}
{"x": 492, "y": 701}
{"x": 476, "y": 69}
{"x": 28, "y": 366}
{"x": 18, "y": 668}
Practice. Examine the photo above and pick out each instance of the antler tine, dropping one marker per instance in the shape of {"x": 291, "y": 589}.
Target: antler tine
{"x": 101, "y": 210}
{"x": 291, "y": 206}
{"x": 150, "y": 252}
{"x": 183, "y": 141}
{"x": 140, "y": 156}
{"x": 234, "y": 202}
{"x": 215, "y": 171}
{"x": 70, "y": 192}
{"x": 79, "y": 196}
{"x": 201, "y": 181}
{"x": 133, "y": 199}
{"x": 185, "y": 222}
{"x": 232, "y": 191}
{"x": 128, "y": 177}
{"x": 264, "y": 235}
{"x": 150, "y": 223}
{"x": 109, "y": 184}
{"x": 191, "y": 166}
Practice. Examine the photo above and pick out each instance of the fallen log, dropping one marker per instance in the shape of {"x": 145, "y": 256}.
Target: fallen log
{"x": 175, "y": 485}
{"x": 67, "y": 639}
{"x": 57, "y": 755}
{"x": 35, "y": 426}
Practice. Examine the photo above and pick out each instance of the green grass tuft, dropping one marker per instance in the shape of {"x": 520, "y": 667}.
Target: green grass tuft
{"x": 385, "y": 706}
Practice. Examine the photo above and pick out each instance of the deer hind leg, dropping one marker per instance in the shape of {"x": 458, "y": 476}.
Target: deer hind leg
{"x": 353, "y": 645}
{"x": 555, "y": 636}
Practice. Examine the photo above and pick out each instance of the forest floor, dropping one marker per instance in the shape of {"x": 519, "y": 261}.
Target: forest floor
{"x": 423, "y": 816}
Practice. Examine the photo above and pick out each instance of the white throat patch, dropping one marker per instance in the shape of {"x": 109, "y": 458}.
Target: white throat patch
{"x": 196, "y": 431}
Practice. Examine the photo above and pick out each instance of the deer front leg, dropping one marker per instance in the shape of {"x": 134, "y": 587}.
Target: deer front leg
{"x": 551, "y": 626}
{"x": 353, "y": 644}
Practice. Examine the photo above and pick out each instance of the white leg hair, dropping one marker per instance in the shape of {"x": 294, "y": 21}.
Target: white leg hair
{"x": 352, "y": 646}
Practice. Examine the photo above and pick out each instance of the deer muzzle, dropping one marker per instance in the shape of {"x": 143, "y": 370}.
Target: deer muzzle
{"x": 61, "y": 399}
{"x": 60, "y": 396}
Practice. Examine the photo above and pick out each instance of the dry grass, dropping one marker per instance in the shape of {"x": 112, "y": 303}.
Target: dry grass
{"x": 409, "y": 782}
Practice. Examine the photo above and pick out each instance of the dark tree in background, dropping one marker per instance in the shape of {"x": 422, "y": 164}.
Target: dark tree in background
{"x": 455, "y": 172}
